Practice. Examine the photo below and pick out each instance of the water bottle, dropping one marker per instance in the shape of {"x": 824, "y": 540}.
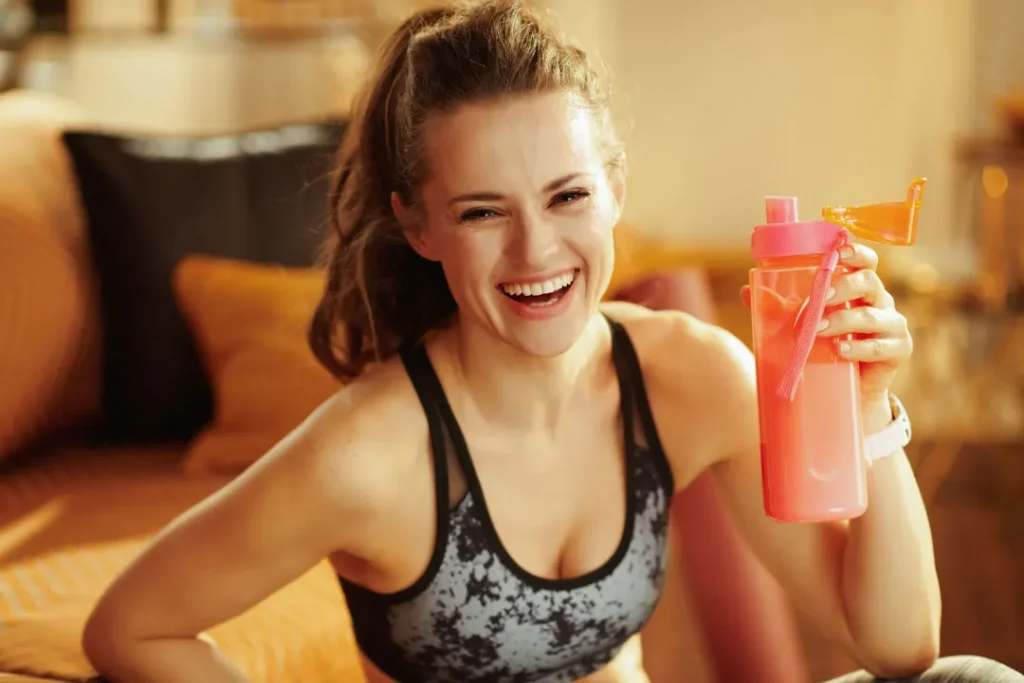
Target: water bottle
{"x": 812, "y": 444}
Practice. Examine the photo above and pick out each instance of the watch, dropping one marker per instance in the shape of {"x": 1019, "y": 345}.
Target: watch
{"x": 890, "y": 438}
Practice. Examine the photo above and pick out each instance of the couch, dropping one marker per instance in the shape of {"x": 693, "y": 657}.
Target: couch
{"x": 76, "y": 506}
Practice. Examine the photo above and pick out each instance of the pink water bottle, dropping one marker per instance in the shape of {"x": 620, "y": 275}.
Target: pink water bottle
{"x": 812, "y": 460}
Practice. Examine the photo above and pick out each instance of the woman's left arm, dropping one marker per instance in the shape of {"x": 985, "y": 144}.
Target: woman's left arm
{"x": 871, "y": 582}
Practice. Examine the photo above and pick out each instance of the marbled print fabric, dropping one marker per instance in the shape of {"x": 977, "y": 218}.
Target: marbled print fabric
{"x": 480, "y": 621}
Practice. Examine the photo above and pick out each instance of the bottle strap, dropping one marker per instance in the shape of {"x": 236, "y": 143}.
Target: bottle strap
{"x": 813, "y": 312}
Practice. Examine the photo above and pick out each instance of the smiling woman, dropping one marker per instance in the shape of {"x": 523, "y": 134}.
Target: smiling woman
{"x": 493, "y": 489}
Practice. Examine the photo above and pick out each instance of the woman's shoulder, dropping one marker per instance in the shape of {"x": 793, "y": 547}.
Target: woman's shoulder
{"x": 675, "y": 341}
{"x": 368, "y": 441}
{"x": 698, "y": 377}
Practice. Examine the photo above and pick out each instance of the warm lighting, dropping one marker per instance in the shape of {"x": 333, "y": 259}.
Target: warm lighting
{"x": 995, "y": 181}
{"x": 924, "y": 278}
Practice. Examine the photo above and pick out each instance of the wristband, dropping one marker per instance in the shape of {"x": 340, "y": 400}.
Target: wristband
{"x": 890, "y": 438}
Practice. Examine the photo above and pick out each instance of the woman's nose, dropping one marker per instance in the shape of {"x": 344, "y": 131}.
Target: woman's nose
{"x": 536, "y": 238}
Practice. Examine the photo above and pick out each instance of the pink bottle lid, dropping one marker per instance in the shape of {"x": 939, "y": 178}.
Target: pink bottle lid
{"x": 784, "y": 234}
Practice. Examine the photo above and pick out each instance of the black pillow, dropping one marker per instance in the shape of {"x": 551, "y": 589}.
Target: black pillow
{"x": 149, "y": 202}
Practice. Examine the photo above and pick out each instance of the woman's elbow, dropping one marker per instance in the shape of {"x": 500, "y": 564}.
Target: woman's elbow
{"x": 905, "y": 662}
{"x": 899, "y": 646}
{"x": 102, "y": 641}
{"x": 110, "y": 640}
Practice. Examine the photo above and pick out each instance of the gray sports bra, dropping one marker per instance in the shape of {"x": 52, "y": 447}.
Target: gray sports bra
{"x": 475, "y": 615}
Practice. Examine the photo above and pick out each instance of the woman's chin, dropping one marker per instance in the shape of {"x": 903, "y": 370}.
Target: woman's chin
{"x": 550, "y": 338}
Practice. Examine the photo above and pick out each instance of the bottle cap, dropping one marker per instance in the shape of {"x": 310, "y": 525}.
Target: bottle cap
{"x": 781, "y": 209}
{"x": 784, "y": 234}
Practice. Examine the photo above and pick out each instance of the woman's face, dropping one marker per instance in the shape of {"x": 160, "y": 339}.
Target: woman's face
{"x": 519, "y": 210}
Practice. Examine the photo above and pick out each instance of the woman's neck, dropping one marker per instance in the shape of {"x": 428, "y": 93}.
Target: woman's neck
{"x": 509, "y": 388}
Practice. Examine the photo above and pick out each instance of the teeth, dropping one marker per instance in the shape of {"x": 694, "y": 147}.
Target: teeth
{"x": 538, "y": 288}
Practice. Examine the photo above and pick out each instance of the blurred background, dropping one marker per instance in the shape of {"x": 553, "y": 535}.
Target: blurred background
{"x": 721, "y": 102}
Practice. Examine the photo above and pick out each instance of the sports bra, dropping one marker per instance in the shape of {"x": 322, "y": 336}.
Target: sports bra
{"x": 475, "y": 615}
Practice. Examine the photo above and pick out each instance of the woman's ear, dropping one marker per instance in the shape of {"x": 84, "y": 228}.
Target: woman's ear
{"x": 413, "y": 234}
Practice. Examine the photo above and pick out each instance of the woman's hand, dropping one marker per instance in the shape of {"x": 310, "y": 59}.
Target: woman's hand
{"x": 881, "y": 336}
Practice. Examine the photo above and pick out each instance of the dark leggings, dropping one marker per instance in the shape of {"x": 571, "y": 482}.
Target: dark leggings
{"x": 958, "y": 669}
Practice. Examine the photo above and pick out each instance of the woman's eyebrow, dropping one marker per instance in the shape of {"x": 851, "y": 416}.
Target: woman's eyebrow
{"x": 496, "y": 196}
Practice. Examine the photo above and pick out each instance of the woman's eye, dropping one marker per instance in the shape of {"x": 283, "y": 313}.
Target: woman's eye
{"x": 477, "y": 215}
{"x": 570, "y": 196}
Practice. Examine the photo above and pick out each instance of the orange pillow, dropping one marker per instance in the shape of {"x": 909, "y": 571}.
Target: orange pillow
{"x": 250, "y": 322}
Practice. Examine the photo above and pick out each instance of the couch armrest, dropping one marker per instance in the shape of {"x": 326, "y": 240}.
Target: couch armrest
{"x": 49, "y": 346}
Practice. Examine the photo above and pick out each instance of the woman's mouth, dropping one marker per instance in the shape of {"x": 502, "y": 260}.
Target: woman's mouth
{"x": 540, "y": 294}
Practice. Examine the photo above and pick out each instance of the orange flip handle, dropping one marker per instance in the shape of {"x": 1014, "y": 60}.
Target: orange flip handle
{"x": 887, "y": 223}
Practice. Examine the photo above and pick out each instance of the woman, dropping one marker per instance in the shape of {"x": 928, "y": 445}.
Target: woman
{"x": 494, "y": 491}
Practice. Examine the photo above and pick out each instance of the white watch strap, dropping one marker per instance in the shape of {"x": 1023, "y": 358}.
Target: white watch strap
{"x": 890, "y": 438}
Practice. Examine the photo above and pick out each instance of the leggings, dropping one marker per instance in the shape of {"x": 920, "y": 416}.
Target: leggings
{"x": 957, "y": 669}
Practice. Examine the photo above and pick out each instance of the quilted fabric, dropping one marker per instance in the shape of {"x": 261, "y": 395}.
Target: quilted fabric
{"x": 69, "y": 522}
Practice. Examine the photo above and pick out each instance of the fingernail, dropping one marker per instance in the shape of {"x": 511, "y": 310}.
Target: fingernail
{"x": 830, "y": 294}
{"x": 846, "y": 252}
{"x": 844, "y": 347}
{"x": 823, "y": 324}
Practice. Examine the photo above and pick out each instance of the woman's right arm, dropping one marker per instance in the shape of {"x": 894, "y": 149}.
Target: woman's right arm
{"x": 287, "y": 512}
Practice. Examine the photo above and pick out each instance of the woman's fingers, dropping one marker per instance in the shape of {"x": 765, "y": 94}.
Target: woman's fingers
{"x": 890, "y": 336}
{"x": 884, "y": 322}
{"x": 860, "y": 284}
{"x": 858, "y": 256}
{"x": 878, "y": 350}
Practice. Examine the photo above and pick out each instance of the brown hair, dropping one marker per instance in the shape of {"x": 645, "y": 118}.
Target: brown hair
{"x": 380, "y": 294}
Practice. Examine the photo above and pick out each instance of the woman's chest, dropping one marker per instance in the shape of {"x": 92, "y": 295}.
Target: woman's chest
{"x": 482, "y": 616}
{"x": 559, "y": 512}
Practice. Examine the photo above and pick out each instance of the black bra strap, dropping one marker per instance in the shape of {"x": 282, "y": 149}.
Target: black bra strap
{"x": 626, "y": 393}
{"x": 630, "y": 374}
{"x": 421, "y": 374}
{"x": 431, "y": 392}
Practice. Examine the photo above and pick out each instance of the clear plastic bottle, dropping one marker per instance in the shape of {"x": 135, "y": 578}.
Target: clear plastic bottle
{"x": 812, "y": 461}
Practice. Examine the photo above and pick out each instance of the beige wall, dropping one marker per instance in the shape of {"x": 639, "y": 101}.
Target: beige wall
{"x": 112, "y": 14}
{"x": 196, "y": 79}
{"x": 999, "y": 55}
{"x": 194, "y": 86}
{"x": 730, "y": 100}
{"x": 183, "y": 85}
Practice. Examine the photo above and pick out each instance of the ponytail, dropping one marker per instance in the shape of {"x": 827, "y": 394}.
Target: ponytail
{"x": 379, "y": 292}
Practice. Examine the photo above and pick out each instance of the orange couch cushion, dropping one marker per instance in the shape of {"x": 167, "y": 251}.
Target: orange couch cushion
{"x": 71, "y": 521}
{"x": 49, "y": 345}
{"x": 250, "y": 323}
